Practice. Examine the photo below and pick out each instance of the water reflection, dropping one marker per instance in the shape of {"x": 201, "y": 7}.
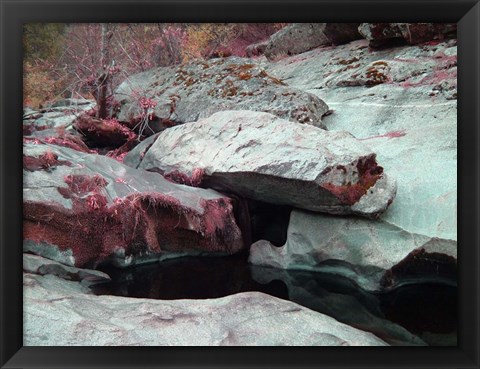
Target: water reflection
{"x": 410, "y": 315}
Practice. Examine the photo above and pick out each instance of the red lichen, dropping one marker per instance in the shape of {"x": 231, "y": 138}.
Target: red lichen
{"x": 389, "y": 135}
{"x": 69, "y": 141}
{"x": 349, "y": 193}
{"x": 81, "y": 184}
{"x": 181, "y": 178}
{"x": 46, "y": 161}
{"x": 149, "y": 222}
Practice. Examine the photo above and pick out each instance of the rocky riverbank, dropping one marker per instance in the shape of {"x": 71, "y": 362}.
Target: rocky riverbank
{"x": 351, "y": 131}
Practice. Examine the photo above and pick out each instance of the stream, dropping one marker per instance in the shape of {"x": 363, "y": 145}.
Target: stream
{"x": 420, "y": 314}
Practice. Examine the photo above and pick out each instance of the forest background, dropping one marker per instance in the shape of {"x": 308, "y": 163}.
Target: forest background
{"x": 90, "y": 60}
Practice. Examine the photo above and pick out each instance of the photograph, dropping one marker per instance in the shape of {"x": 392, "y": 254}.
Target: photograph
{"x": 220, "y": 184}
{"x": 240, "y": 184}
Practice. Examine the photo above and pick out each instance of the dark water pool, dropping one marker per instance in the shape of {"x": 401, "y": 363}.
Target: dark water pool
{"x": 411, "y": 315}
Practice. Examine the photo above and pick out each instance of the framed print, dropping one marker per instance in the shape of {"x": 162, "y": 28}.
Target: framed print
{"x": 281, "y": 178}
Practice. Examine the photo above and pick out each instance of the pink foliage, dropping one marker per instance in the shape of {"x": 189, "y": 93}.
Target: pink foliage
{"x": 389, "y": 135}
{"x": 181, "y": 178}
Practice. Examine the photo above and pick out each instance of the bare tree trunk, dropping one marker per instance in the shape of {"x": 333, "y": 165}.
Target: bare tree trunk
{"x": 103, "y": 79}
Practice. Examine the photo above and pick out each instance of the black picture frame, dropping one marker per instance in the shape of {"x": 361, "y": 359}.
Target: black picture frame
{"x": 14, "y": 13}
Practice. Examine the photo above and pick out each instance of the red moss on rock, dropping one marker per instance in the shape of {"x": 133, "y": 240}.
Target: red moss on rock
{"x": 46, "y": 161}
{"x": 120, "y": 153}
{"x": 69, "y": 141}
{"x": 139, "y": 224}
{"x": 108, "y": 132}
{"x": 82, "y": 184}
{"x": 63, "y": 139}
{"x": 349, "y": 193}
{"x": 181, "y": 178}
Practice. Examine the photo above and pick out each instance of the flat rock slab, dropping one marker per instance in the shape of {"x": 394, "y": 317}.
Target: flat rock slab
{"x": 39, "y": 265}
{"x": 60, "y": 114}
{"x": 172, "y": 95}
{"x": 375, "y": 254}
{"x": 59, "y": 312}
{"x": 84, "y": 209}
{"x": 262, "y": 157}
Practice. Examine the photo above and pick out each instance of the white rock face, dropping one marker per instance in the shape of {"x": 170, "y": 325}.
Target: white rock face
{"x": 262, "y": 157}
{"x": 375, "y": 254}
{"x": 409, "y": 118}
{"x": 59, "y": 312}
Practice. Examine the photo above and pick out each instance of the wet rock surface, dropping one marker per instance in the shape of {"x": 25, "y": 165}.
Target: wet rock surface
{"x": 259, "y": 156}
{"x": 35, "y": 264}
{"x": 84, "y": 209}
{"x": 197, "y": 90}
{"x": 389, "y": 315}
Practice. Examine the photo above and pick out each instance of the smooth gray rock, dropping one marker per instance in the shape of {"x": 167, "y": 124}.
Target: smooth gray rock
{"x": 84, "y": 209}
{"x": 377, "y": 255}
{"x": 409, "y": 121}
{"x": 296, "y": 38}
{"x": 59, "y": 312}
{"x": 198, "y": 89}
{"x": 39, "y": 265}
{"x": 262, "y": 157}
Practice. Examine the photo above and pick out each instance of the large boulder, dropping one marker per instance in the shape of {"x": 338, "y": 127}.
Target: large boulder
{"x": 378, "y": 256}
{"x": 265, "y": 158}
{"x": 296, "y": 38}
{"x": 63, "y": 313}
{"x": 83, "y": 209}
{"x": 342, "y": 33}
{"x": 166, "y": 96}
{"x": 410, "y": 121}
{"x": 379, "y": 34}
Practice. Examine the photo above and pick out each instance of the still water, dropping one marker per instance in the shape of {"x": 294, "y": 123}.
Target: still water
{"x": 422, "y": 314}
